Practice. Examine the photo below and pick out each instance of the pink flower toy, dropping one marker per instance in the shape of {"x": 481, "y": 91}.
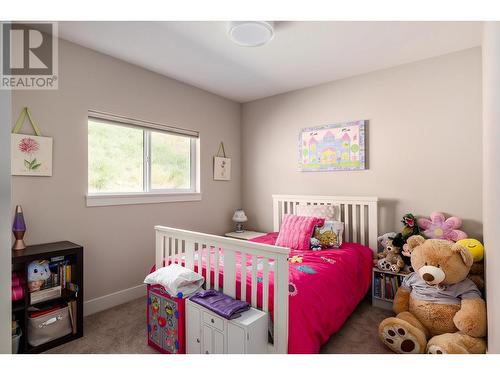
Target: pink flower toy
{"x": 441, "y": 228}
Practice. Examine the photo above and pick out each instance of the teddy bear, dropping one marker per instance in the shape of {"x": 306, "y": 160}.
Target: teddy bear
{"x": 38, "y": 272}
{"x": 383, "y": 239}
{"x": 409, "y": 229}
{"x": 400, "y": 242}
{"x": 439, "y": 310}
{"x": 389, "y": 259}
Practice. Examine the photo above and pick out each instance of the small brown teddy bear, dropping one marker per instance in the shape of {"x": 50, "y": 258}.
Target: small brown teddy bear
{"x": 439, "y": 310}
{"x": 389, "y": 259}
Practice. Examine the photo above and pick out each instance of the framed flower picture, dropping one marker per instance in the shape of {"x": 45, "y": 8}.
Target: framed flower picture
{"x": 222, "y": 168}
{"x": 222, "y": 165}
{"x": 31, "y": 155}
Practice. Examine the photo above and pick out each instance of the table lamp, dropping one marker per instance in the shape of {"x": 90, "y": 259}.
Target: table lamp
{"x": 239, "y": 218}
{"x": 19, "y": 228}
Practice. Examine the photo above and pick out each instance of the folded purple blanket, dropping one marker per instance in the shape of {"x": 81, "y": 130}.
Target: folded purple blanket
{"x": 220, "y": 304}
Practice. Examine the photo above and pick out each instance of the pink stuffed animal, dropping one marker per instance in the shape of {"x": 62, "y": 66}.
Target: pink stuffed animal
{"x": 440, "y": 227}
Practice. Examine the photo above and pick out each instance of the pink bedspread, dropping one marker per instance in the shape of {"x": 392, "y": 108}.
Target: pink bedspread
{"x": 324, "y": 288}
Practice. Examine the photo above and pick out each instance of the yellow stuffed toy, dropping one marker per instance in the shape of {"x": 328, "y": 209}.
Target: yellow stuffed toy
{"x": 476, "y": 272}
{"x": 476, "y": 248}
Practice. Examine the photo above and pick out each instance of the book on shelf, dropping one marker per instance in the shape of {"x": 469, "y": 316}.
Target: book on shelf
{"x": 376, "y": 285}
{"x": 388, "y": 289}
{"x": 45, "y": 294}
{"x": 61, "y": 272}
{"x": 385, "y": 285}
{"x": 72, "y": 309}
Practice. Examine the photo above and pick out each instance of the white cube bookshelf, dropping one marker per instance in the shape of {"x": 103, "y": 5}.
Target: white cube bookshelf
{"x": 384, "y": 297}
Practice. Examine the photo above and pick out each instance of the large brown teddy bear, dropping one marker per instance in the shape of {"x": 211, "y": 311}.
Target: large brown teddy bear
{"x": 439, "y": 310}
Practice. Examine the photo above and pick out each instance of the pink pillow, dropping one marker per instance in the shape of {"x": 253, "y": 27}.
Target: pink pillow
{"x": 296, "y": 231}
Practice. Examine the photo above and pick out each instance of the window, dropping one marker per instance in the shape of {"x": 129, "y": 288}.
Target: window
{"x": 130, "y": 159}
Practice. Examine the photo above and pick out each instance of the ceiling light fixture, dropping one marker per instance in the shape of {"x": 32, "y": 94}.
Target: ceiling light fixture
{"x": 251, "y": 33}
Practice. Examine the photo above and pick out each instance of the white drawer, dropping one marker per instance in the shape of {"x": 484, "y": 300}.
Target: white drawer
{"x": 210, "y": 333}
{"x": 213, "y": 321}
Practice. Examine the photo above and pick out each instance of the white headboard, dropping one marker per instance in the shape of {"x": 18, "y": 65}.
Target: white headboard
{"x": 359, "y": 214}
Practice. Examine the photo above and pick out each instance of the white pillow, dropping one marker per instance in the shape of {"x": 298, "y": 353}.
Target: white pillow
{"x": 176, "y": 279}
{"x": 328, "y": 212}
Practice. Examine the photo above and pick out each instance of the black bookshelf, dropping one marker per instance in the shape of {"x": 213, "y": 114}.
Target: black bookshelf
{"x": 20, "y": 262}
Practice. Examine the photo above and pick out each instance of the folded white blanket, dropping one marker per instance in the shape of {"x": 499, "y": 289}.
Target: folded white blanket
{"x": 176, "y": 279}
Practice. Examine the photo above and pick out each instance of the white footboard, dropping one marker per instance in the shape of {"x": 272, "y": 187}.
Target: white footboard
{"x": 173, "y": 244}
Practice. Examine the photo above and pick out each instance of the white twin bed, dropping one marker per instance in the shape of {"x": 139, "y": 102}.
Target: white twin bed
{"x": 221, "y": 259}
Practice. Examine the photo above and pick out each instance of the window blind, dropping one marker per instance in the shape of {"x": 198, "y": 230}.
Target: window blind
{"x": 122, "y": 120}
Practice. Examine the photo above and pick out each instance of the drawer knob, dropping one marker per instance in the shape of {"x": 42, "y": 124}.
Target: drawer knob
{"x": 212, "y": 320}
{"x": 198, "y": 341}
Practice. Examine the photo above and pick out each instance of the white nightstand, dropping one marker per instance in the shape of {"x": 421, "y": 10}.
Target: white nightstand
{"x": 245, "y": 235}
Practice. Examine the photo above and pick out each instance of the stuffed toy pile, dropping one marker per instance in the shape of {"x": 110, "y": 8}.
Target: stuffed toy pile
{"x": 437, "y": 226}
{"x": 439, "y": 310}
{"x": 397, "y": 242}
{"x": 389, "y": 259}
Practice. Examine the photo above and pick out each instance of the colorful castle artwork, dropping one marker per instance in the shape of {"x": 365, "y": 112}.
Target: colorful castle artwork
{"x": 333, "y": 147}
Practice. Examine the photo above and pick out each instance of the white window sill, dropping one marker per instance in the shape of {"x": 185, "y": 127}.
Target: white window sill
{"x": 95, "y": 200}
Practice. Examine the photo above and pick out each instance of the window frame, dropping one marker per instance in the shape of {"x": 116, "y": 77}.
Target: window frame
{"x": 148, "y": 195}
{"x": 147, "y": 183}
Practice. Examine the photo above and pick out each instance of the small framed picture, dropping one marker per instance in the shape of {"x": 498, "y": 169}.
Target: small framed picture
{"x": 222, "y": 168}
{"x": 31, "y": 155}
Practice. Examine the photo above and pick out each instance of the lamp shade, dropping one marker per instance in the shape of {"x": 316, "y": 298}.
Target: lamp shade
{"x": 239, "y": 216}
{"x": 19, "y": 224}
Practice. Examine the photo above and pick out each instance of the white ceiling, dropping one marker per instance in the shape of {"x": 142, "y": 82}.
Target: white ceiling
{"x": 301, "y": 54}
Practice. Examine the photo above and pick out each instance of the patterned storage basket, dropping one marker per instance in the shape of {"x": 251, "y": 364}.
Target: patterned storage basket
{"x": 166, "y": 321}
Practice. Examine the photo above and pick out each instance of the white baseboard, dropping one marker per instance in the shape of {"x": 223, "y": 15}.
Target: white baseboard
{"x": 108, "y": 301}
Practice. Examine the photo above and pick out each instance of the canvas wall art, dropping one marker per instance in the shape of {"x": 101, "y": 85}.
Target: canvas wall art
{"x": 222, "y": 165}
{"x": 31, "y": 155}
{"x": 222, "y": 169}
{"x": 337, "y": 147}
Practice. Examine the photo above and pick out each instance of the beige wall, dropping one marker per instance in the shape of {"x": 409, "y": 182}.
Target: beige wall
{"x": 491, "y": 176}
{"x": 119, "y": 240}
{"x": 5, "y": 223}
{"x": 424, "y": 141}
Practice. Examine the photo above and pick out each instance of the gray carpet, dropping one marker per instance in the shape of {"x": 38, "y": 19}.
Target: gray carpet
{"x": 359, "y": 334}
{"x": 122, "y": 329}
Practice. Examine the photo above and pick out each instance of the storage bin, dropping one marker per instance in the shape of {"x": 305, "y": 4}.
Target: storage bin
{"x": 49, "y": 327}
{"x": 16, "y": 338}
{"x": 166, "y": 321}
